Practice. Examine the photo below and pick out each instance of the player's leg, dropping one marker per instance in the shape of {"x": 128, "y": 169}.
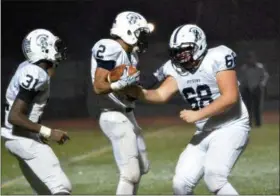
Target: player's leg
{"x": 144, "y": 162}
{"x": 40, "y": 166}
{"x": 119, "y": 130}
{"x": 224, "y": 150}
{"x": 189, "y": 169}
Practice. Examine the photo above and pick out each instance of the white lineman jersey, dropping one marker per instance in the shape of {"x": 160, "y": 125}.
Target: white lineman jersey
{"x": 109, "y": 50}
{"x": 33, "y": 79}
{"x": 200, "y": 88}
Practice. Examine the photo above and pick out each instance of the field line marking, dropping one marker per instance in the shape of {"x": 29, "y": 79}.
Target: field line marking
{"x": 94, "y": 153}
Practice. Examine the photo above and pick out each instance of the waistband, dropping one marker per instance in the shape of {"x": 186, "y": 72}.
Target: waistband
{"x": 125, "y": 110}
{"x": 29, "y": 134}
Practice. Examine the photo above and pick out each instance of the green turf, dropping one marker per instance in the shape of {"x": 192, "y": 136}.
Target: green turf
{"x": 257, "y": 171}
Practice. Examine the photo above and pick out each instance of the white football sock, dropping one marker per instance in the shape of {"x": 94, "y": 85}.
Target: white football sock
{"x": 227, "y": 189}
{"x": 125, "y": 188}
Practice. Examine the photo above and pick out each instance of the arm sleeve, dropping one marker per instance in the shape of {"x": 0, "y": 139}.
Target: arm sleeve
{"x": 109, "y": 65}
{"x": 165, "y": 70}
{"x": 106, "y": 53}
{"x": 159, "y": 75}
{"x": 225, "y": 59}
{"x": 26, "y": 95}
{"x": 32, "y": 80}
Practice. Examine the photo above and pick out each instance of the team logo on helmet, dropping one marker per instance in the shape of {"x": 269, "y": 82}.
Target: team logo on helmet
{"x": 42, "y": 41}
{"x": 133, "y": 18}
{"x": 196, "y": 33}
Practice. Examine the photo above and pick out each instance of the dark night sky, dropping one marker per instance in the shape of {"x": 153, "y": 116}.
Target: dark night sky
{"x": 81, "y": 23}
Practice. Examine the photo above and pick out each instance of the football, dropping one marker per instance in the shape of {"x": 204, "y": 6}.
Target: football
{"x": 115, "y": 74}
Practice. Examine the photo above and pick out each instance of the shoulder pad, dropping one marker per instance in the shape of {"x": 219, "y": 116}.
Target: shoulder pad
{"x": 165, "y": 70}
{"x": 224, "y": 58}
{"x": 32, "y": 77}
{"x": 106, "y": 49}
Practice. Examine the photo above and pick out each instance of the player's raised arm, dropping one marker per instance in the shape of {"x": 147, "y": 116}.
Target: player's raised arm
{"x": 160, "y": 95}
{"x": 228, "y": 86}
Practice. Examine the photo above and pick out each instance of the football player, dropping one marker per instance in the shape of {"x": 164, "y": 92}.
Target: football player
{"x": 128, "y": 37}
{"x": 26, "y": 98}
{"x": 206, "y": 79}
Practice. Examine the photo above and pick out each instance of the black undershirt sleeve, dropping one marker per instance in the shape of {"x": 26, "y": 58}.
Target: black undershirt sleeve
{"x": 108, "y": 65}
{"x": 26, "y": 95}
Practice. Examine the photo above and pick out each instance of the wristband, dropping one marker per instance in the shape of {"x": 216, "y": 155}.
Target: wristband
{"x": 45, "y": 131}
{"x": 115, "y": 86}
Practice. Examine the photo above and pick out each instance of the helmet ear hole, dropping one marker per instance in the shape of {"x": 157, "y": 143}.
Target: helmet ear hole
{"x": 129, "y": 32}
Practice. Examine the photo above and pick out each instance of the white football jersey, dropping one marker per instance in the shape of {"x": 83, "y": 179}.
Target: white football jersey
{"x": 200, "y": 88}
{"x": 32, "y": 78}
{"x": 111, "y": 50}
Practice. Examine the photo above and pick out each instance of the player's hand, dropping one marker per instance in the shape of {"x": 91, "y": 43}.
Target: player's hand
{"x": 126, "y": 80}
{"x": 130, "y": 79}
{"x": 189, "y": 116}
{"x": 132, "y": 91}
{"x": 59, "y": 136}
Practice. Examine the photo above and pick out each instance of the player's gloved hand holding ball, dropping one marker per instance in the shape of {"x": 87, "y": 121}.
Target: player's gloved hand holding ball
{"x": 123, "y": 76}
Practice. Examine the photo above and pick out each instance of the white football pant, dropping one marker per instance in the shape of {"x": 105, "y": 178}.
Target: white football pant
{"x": 39, "y": 165}
{"x": 128, "y": 147}
{"x": 210, "y": 155}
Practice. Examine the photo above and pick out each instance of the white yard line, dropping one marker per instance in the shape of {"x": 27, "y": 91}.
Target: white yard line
{"x": 78, "y": 158}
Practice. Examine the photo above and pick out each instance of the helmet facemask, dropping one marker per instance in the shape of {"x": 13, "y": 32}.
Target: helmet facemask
{"x": 61, "y": 50}
{"x": 182, "y": 57}
{"x": 142, "y": 35}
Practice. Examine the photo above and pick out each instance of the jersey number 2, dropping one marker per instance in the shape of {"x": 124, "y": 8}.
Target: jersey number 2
{"x": 198, "y": 102}
{"x": 29, "y": 81}
{"x": 101, "y": 49}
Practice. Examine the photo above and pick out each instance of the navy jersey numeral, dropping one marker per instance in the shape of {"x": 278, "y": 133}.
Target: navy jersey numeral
{"x": 203, "y": 93}
{"x": 100, "y": 51}
{"x": 230, "y": 60}
{"x": 29, "y": 81}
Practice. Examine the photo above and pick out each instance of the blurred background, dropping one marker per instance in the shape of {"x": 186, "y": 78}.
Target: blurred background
{"x": 243, "y": 25}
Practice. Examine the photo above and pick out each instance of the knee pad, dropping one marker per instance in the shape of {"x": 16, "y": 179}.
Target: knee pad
{"x": 182, "y": 186}
{"x": 131, "y": 171}
{"x": 214, "y": 180}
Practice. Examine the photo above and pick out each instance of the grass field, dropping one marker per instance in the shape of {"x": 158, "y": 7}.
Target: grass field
{"x": 88, "y": 161}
